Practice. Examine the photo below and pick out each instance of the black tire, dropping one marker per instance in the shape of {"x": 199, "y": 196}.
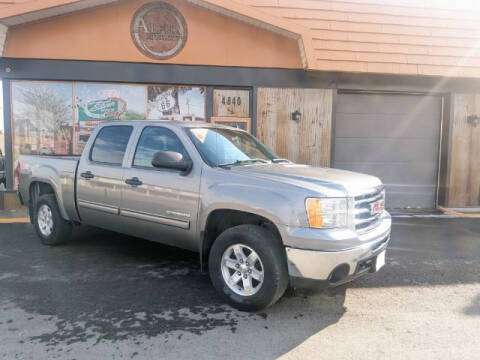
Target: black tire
{"x": 272, "y": 255}
{"x": 61, "y": 230}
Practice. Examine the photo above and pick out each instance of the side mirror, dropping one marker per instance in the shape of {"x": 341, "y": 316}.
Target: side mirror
{"x": 172, "y": 160}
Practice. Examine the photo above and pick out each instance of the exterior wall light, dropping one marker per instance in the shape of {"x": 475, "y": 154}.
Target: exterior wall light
{"x": 296, "y": 115}
{"x": 473, "y": 120}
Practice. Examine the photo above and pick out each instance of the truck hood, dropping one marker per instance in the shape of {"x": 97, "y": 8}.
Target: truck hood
{"x": 327, "y": 181}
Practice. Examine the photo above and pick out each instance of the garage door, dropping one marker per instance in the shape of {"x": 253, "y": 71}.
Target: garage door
{"x": 394, "y": 137}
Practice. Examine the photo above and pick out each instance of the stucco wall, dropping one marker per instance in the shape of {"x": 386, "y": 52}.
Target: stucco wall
{"x": 103, "y": 33}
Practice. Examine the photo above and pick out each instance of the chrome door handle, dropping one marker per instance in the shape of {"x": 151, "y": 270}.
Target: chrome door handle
{"x": 87, "y": 175}
{"x": 133, "y": 182}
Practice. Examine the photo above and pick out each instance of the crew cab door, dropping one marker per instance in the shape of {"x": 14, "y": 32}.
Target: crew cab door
{"x": 160, "y": 204}
{"x": 100, "y": 177}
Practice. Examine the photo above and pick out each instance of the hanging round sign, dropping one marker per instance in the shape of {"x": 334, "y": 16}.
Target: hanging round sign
{"x": 159, "y": 30}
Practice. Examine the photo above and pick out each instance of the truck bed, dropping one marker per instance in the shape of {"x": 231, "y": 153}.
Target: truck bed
{"x": 62, "y": 157}
{"x": 61, "y": 163}
{"x": 58, "y": 171}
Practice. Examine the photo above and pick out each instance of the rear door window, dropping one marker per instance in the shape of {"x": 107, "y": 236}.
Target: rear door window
{"x": 110, "y": 145}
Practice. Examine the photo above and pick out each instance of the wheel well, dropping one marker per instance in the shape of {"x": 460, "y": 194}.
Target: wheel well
{"x": 220, "y": 220}
{"x": 42, "y": 188}
{"x": 36, "y": 190}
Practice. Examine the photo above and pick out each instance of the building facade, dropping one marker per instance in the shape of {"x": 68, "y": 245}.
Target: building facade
{"x": 389, "y": 90}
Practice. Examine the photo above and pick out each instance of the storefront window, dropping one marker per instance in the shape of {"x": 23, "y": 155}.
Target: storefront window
{"x": 99, "y": 102}
{"x": 176, "y": 103}
{"x": 42, "y": 118}
{"x": 53, "y": 117}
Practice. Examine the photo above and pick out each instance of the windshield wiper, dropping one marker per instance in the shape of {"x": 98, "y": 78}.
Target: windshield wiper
{"x": 280, "y": 160}
{"x": 243, "y": 162}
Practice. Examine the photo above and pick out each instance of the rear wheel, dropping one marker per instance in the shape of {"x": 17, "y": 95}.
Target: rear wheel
{"x": 51, "y": 228}
{"x": 248, "y": 267}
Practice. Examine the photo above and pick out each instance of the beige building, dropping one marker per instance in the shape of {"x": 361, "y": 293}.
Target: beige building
{"x": 386, "y": 88}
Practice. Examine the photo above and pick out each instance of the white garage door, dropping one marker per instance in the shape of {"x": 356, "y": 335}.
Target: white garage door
{"x": 395, "y": 137}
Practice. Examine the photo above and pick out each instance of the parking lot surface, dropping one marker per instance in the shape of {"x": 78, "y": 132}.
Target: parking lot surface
{"x": 108, "y": 296}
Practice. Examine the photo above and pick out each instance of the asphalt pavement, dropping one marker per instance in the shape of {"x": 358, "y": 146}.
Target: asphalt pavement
{"x": 109, "y": 296}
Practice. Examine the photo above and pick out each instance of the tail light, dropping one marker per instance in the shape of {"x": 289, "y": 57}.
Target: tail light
{"x": 17, "y": 173}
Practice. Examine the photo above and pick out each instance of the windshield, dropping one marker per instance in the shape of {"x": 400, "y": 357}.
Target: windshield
{"x": 221, "y": 147}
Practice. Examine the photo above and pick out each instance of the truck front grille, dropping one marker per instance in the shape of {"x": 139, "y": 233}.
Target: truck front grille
{"x": 365, "y": 219}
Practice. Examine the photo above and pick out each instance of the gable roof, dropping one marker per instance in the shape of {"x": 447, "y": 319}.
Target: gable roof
{"x": 416, "y": 37}
{"x": 17, "y": 12}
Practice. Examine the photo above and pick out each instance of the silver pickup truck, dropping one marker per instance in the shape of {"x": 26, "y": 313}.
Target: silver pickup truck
{"x": 259, "y": 221}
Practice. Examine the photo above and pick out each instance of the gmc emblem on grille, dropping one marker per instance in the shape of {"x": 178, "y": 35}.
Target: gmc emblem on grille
{"x": 377, "y": 207}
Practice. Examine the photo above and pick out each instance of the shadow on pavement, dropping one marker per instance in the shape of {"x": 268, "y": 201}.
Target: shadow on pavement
{"x": 104, "y": 286}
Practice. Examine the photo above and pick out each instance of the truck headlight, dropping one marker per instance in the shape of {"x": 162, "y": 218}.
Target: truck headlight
{"x": 327, "y": 213}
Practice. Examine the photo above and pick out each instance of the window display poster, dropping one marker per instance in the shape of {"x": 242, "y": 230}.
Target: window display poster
{"x": 98, "y": 102}
{"x": 176, "y": 103}
{"x": 42, "y": 118}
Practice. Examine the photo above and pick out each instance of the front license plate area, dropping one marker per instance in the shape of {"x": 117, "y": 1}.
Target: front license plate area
{"x": 380, "y": 261}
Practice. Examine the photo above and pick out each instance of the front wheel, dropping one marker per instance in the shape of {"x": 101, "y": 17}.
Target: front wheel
{"x": 248, "y": 267}
{"x": 49, "y": 225}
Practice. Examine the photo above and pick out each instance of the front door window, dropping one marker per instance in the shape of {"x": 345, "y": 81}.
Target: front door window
{"x": 155, "y": 139}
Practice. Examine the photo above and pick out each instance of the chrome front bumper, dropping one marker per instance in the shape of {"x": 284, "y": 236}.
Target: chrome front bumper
{"x": 350, "y": 262}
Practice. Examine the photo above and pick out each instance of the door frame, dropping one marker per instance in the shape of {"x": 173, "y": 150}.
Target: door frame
{"x": 170, "y": 224}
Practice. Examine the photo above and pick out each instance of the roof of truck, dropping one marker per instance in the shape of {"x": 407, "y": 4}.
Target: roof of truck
{"x": 183, "y": 124}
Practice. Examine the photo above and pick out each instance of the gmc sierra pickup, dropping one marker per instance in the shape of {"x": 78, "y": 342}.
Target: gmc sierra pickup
{"x": 260, "y": 221}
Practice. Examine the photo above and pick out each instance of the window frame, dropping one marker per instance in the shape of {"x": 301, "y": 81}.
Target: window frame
{"x": 126, "y": 148}
{"x": 132, "y": 164}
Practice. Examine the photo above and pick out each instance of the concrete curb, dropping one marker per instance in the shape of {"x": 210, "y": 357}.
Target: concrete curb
{"x": 460, "y": 214}
{"x": 14, "y": 220}
{"x": 14, "y": 216}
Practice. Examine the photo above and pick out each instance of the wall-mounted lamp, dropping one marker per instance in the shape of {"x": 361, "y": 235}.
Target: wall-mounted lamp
{"x": 296, "y": 115}
{"x": 473, "y": 120}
